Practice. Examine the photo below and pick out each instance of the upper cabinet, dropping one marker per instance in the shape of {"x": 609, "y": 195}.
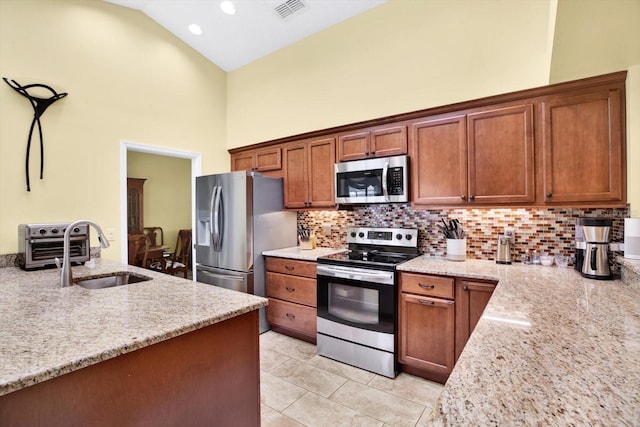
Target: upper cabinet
{"x": 484, "y": 156}
{"x": 558, "y": 145}
{"x": 372, "y": 142}
{"x": 583, "y": 149}
{"x": 309, "y": 174}
{"x": 260, "y": 160}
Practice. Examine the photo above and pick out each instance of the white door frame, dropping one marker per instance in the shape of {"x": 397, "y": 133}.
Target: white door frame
{"x": 196, "y": 170}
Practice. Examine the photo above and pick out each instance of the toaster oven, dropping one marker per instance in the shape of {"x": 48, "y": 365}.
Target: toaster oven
{"x": 40, "y": 244}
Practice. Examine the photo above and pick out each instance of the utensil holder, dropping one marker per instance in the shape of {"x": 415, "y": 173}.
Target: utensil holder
{"x": 456, "y": 249}
{"x": 308, "y": 242}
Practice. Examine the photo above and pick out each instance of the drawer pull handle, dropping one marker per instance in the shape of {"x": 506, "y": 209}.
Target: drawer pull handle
{"x": 425, "y": 302}
{"x": 290, "y": 289}
{"x": 426, "y": 286}
{"x": 289, "y": 267}
{"x": 290, "y": 316}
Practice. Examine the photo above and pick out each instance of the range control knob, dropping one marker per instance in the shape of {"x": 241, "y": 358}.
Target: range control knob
{"x": 353, "y": 234}
{"x": 399, "y": 236}
{"x": 361, "y": 234}
{"x": 76, "y": 229}
{"x": 409, "y": 236}
{"x": 54, "y": 231}
{"x": 42, "y": 231}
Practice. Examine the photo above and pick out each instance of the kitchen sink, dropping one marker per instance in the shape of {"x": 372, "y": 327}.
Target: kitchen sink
{"x": 119, "y": 278}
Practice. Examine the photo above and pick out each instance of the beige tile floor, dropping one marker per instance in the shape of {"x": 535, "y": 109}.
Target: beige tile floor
{"x": 300, "y": 388}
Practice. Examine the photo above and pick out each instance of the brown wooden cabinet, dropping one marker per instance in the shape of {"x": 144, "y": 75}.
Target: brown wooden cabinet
{"x": 291, "y": 289}
{"x": 308, "y": 174}
{"x": 485, "y": 156}
{"x": 260, "y": 160}
{"x": 583, "y": 147}
{"x": 135, "y": 205}
{"x": 426, "y": 325}
{"x": 472, "y": 297}
{"x": 374, "y": 142}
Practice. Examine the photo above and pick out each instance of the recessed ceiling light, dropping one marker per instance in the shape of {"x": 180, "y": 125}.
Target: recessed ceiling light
{"x": 195, "y": 29}
{"x": 228, "y": 7}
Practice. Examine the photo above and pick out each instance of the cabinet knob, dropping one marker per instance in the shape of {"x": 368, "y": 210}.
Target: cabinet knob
{"x": 373, "y": 153}
{"x": 426, "y": 286}
{"x": 463, "y": 197}
{"x": 549, "y": 194}
{"x": 471, "y": 197}
{"x": 465, "y": 288}
{"x": 290, "y": 289}
{"x": 366, "y": 153}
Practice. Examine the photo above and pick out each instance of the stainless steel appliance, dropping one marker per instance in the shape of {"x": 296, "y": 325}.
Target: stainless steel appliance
{"x": 380, "y": 180}
{"x": 596, "y": 258}
{"x": 580, "y": 246}
{"x": 40, "y": 244}
{"x": 505, "y": 242}
{"x": 357, "y": 298}
{"x": 238, "y": 216}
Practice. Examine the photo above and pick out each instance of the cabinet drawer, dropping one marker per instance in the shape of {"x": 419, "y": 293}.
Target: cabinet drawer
{"x": 422, "y": 284}
{"x": 295, "y": 317}
{"x": 291, "y": 266}
{"x": 301, "y": 290}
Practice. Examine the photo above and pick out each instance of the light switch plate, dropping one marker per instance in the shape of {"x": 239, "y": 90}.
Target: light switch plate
{"x": 111, "y": 234}
{"x": 326, "y": 229}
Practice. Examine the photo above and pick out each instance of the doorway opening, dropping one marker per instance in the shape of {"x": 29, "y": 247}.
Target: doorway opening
{"x": 125, "y": 148}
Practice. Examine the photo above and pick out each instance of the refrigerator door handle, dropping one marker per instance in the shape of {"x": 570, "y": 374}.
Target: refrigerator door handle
{"x": 218, "y": 219}
{"x": 214, "y": 192}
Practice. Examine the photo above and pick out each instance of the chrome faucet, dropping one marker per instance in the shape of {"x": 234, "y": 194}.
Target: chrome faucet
{"x": 65, "y": 275}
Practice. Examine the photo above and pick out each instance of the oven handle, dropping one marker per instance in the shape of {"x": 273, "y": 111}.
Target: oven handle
{"x": 376, "y": 276}
{"x": 56, "y": 239}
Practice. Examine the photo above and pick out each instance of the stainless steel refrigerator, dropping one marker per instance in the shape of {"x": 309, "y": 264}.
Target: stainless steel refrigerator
{"x": 238, "y": 216}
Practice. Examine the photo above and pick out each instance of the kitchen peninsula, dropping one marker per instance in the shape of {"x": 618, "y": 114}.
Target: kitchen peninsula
{"x": 551, "y": 348}
{"x": 163, "y": 351}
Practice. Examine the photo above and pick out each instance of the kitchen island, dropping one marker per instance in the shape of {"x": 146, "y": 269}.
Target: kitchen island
{"x": 551, "y": 348}
{"x": 161, "y": 352}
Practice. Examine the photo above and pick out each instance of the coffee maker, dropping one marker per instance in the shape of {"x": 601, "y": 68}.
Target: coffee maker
{"x": 595, "y": 264}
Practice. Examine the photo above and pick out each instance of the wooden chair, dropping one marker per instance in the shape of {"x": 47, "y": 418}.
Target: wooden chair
{"x": 179, "y": 260}
{"x": 154, "y": 233}
{"x": 138, "y": 249}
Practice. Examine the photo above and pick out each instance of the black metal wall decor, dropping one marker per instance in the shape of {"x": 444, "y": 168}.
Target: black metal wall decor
{"x": 39, "y": 107}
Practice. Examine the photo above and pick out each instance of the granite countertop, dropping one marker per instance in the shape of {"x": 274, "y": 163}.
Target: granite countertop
{"x": 47, "y": 331}
{"x": 302, "y": 254}
{"x": 552, "y": 348}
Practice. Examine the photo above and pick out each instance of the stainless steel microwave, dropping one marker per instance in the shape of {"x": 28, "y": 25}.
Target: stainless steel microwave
{"x": 379, "y": 180}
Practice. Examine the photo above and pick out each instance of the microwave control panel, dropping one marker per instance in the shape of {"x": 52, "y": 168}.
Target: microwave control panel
{"x": 395, "y": 182}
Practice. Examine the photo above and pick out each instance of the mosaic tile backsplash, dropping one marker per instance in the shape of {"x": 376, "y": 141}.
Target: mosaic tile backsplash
{"x": 550, "y": 231}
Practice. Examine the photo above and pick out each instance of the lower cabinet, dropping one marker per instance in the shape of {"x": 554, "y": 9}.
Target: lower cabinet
{"x": 426, "y": 326}
{"x": 291, "y": 289}
{"x": 472, "y": 297}
{"x": 436, "y": 317}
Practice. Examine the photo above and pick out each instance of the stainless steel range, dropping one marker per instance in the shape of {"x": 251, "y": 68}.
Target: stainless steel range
{"x": 357, "y": 298}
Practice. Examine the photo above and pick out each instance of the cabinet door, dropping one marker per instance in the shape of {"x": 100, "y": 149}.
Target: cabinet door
{"x": 391, "y": 141}
{"x": 295, "y": 177}
{"x": 320, "y": 161}
{"x": 471, "y": 297}
{"x": 244, "y": 161}
{"x": 501, "y": 163}
{"x": 426, "y": 334}
{"x": 439, "y": 161}
{"x": 583, "y": 148}
{"x": 353, "y": 146}
{"x": 268, "y": 159}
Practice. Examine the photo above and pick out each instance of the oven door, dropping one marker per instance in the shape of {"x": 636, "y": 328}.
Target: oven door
{"x": 359, "y": 298}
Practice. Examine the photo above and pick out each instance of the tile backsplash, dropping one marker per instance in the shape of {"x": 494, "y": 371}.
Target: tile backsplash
{"x": 549, "y": 230}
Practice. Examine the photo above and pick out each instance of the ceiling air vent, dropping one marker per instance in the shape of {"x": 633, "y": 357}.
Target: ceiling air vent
{"x": 290, "y": 7}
